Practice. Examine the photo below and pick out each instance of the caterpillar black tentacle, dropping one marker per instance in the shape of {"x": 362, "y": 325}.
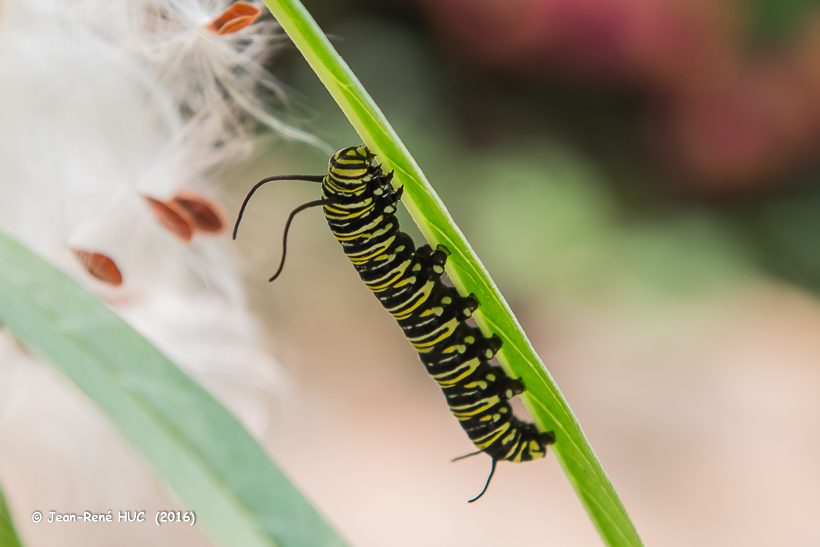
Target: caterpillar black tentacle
{"x": 360, "y": 205}
{"x": 487, "y": 484}
{"x": 291, "y": 216}
{"x": 258, "y": 185}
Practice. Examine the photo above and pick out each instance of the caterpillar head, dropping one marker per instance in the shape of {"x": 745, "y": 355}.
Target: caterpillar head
{"x": 349, "y": 166}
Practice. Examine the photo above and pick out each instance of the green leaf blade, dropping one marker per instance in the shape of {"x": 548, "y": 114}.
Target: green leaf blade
{"x": 8, "y": 536}
{"x": 216, "y": 468}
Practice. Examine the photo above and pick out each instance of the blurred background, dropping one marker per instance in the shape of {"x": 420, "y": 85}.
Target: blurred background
{"x": 640, "y": 177}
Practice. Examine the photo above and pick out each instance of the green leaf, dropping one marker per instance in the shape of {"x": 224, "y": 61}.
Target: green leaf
{"x": 210, "y": 461}
{"x": 8, "y": 537}
{"x": 542, "y": 398}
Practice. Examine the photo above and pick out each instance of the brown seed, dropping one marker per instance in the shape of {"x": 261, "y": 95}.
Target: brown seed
{"x": 100, "y": 266}
{"x": 236, "y": 17}
{"x": 206, "y": 215}
{"x": 173, "y": 217}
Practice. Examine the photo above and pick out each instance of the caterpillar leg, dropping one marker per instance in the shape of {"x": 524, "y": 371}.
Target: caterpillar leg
{"x": 532, "y": 445}
{"x": 385, "y": 179}
{"x": 386, "y": 195}
{"x": 394, "y": 195}
{"x": 381, "y": 186}
{"x": 487, "y": 347}
{"x": 514, "y": 387}
{"x": 468, "y": 305}
{"x": 439, "y": 256}
{"x": 431, "y": 262}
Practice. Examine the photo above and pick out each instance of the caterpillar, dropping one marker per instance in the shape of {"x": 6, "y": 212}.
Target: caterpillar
{"x": 359, "y": 202}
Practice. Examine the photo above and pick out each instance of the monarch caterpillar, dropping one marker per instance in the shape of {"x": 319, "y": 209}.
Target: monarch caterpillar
{"x": 360, "y": 205}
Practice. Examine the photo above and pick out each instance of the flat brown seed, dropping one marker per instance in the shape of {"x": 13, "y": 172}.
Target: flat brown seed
{"x": 206, "y": 215}
{"x": 172, "y": 217}
{"x": 100, "y": 266}
{"x": 236, "y": 17}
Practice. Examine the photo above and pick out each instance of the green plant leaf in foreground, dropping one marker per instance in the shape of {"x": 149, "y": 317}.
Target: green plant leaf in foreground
{"x": 543, "y": 398}
{"x": 210, "y": 461}
{"x": 8, "y": 537}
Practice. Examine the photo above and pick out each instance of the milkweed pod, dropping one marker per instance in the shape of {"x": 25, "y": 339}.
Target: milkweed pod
{"x": 100, "y": 266}
{"x": 236, "y": 17}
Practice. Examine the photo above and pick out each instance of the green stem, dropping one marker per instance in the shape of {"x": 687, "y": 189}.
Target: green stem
{"x": 542, "y": 398}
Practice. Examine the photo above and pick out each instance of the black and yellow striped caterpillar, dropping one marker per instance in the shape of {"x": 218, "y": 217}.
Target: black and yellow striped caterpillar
{"x": 360, "y": 206}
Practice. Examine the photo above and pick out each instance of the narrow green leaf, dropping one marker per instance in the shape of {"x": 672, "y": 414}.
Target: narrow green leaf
{"x": 543, "y": 398}
{"x": 210, "y": 461}
{"x": 8, "y": 537}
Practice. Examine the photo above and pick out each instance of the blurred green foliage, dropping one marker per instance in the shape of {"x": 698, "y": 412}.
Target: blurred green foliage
{"x": 773, "y": 20}
{"x": 784, "y": 234}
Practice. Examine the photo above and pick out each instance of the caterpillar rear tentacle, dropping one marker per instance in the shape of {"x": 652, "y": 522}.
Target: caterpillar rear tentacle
{"x": 359, "y": 202}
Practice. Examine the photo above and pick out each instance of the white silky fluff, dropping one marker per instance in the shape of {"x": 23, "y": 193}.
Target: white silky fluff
{"x": 105, "y": 102}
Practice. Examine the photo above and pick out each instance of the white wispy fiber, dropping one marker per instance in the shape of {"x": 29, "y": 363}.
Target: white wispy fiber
{"x": 212, "y": 75}
{"x": 106, "y": 103}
